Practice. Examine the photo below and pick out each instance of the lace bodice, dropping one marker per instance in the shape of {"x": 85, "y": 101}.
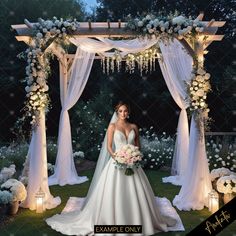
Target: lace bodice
{"x": 120, "y": 138}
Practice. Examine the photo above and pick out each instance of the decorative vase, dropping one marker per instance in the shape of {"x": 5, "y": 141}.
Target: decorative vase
{"x": 228, "y": 197}
{"x": 13, "y": 208}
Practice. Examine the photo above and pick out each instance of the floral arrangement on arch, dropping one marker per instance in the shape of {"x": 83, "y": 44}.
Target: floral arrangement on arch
{"x": 172, "y": 25}
{"x": 37, "y": 69}
{"x": 198, "y": 89}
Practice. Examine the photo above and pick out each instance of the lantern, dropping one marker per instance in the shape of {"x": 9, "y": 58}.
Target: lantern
{"x": 39, "y": 196}
{"x": 213, "y": 201}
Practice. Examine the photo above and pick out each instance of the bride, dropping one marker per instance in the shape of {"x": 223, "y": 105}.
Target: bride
{"x": 115, "y": 198}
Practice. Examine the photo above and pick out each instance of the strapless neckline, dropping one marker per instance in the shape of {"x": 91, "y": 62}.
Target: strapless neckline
{"x": 126, "y": 138}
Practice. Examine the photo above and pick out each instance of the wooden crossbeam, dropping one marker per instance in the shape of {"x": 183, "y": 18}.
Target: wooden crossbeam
{"x": 210, "y": 23}
{"x": 215, "y": 37}
{"x": 200, "y": 16}
{"x": 25, "y": 39}
{"x": 209, "y": 40}
{"x": 209, "y": 31}
{"x": 109, "y": 29}
{"x": 215, "y": 23}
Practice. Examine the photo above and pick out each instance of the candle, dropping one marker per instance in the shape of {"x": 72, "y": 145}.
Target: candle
{"x": 213, "y": 203}
{"x": 40, "y": 195}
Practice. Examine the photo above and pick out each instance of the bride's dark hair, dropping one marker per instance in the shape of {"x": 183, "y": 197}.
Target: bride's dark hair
{"x": 122, "y": 103}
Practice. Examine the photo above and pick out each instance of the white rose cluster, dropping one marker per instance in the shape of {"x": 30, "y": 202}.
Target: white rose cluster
{"x": 59, "y": 27}
{"x": 50, "y": 167}
{"x": 78, "y": 154}
{"x": 5, "y": 197}
{"x": 216, "y": 173}
{"x": 198, "y": 89}
{"x": 16, "y": 188}
{"x": 226, "y": 184}
{"x": 7, "y": 172}
{"x": 37, "y": 69}
{"x": 177, "y": 25}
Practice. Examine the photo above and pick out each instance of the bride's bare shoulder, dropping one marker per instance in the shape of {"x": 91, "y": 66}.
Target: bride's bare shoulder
{"x": 134, "y": 126}
{"x": 111, "y": 127}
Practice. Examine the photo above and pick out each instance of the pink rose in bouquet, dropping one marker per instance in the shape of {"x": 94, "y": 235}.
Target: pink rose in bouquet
{"x": 127, "y": 158}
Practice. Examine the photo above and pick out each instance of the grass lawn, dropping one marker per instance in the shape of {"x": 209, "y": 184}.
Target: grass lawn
{"x": 27, "y": 222}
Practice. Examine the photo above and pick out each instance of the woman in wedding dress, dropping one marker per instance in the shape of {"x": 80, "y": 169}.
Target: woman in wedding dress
{"x": 115, "y": 198}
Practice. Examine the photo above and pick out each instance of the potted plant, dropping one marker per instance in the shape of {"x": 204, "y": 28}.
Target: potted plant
{"x": 18, "y": 191}
{"x": 5, "y": 199}
{"x": 227, "y": 186}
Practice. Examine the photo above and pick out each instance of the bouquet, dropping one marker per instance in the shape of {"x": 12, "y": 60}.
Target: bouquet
{"x": 16, "y": 188}
{"x": 127, "y": 158}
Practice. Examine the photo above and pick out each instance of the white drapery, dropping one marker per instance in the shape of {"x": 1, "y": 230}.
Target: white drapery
{"x": 176, "y": 66}
{"x": 38, "y": 175}
{"x": 197, "y": 183}
{"x": 103, "y": 44}
{"x": 65, "y": 172}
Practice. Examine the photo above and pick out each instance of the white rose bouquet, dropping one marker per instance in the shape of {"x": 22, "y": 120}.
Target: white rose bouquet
{"x": 226, "y": 184}
{"x": 217, "y": 173}
{"x": 16, "y": 188}
{"x": 127, "y": 158}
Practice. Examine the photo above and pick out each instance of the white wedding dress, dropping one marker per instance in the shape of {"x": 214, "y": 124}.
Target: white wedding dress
{"x": 118, "y": 200}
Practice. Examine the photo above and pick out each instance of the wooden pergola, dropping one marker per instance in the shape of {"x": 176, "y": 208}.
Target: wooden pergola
{"x": 117, "y": 30}
{"x": 196, "y": 48}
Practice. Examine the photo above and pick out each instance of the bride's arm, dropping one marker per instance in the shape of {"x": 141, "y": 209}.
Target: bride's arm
{"x": 110, "y": 132}
{"x": 137, "y": 141}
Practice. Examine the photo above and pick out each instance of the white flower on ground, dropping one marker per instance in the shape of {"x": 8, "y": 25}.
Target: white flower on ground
{"x": 16, "y": 188}
{"x": 216, "y": 173}
{"x": 5, "y": 197}
{"x": 226, "y": 184}
{"x": 79, "y": 154}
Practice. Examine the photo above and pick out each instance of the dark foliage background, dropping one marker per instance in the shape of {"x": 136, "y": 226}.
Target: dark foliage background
{"x": 148, "y": 96}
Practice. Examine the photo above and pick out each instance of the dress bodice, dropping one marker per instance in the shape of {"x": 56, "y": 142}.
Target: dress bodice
{"x": 121, "y": 140}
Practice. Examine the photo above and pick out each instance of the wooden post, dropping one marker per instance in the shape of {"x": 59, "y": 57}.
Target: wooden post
{"x": 108, "y": 24}
{"x": 119, "y": 23}
{"x": 199, "y": 50}
{"x": 63, "y": 77}
{"x": 90, "y": 24}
